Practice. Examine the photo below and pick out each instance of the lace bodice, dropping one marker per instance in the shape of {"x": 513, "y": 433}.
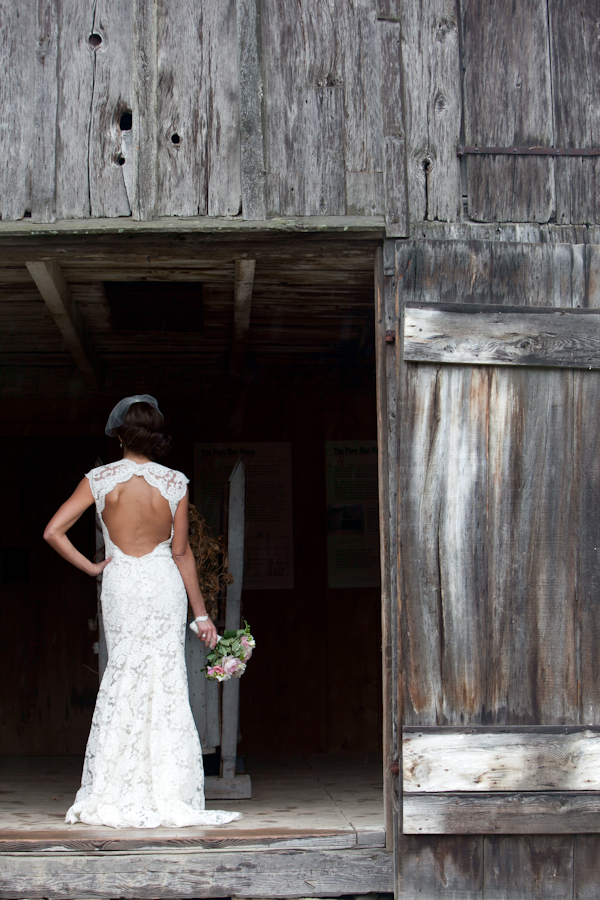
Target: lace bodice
{"x": 171, "y": 483}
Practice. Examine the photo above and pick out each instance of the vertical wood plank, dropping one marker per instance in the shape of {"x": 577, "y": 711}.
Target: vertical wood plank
{"x": 76, "y": 64}
{"x": 587, "y": 490}
{"x": 304, "y": 105}
{"x": 181, "y": 110}
{"x": 540, "y": 867}
{"x": 507, "y": 102}
{"x": 435, "y": 868}
{"x": 251, "y": 112}
{"x": 112, "y": 95}
{"x": 431, "y": 73}
{"x": 43, "y": 201}
{"x": 586, "y": 866}
{"x": 145, "y": 108}
{"x": 222, "y": 77}
{"x": 395, "y": 183}
{"x": 576, "y": 84}
{"x": 17, "y": 41}
{"x": 386, "y": 382}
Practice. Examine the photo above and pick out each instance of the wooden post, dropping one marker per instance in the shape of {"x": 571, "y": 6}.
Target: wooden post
{"x": 235, "y": 549}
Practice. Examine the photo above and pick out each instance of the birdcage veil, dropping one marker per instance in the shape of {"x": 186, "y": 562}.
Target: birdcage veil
{"x": 117, "y": 416}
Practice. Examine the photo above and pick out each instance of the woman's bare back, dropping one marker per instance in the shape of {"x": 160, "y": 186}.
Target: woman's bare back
{"x": 137, "y": 516}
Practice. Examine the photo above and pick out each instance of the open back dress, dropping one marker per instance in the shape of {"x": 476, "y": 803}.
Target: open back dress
{"x": 143, "y": 763}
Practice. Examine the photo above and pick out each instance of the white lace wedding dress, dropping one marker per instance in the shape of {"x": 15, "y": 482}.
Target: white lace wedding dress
{"x": 143, "y": 763}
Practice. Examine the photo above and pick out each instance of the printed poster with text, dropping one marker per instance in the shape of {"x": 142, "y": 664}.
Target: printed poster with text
{"x": 352, "y": 514}
{"x": 268, "y": 550}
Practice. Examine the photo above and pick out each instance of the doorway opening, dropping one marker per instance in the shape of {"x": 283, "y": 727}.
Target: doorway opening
{"x": 292, "y": 392}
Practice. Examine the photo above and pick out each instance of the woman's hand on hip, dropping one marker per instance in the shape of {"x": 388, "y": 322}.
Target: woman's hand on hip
{"x": 208, "y": 633}
{"x": 98, "y": 568}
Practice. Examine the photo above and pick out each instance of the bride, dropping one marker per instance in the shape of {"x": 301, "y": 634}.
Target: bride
{"x": 143, "y": 762}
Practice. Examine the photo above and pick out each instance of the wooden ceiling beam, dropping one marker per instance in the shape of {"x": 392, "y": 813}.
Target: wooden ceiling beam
{"x": 53, "y": 287}
{"x": 242, "y": 306}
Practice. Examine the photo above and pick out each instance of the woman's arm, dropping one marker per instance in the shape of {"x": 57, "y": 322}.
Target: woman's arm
{"x": 56, "y": 529}
{"x": 185, "y": 562}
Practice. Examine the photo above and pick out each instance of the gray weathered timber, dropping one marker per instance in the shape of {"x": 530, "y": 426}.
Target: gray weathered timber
{"x": 440, "y": 762}
{"x": 235, "y": 552}
{"x": 76, "y": 63}
{"x": 221, "y": 73}
{"x": 387, "y": 444}
{"x": 587, "y": 481}
{"x": 443, "y": 499}
{"x": 534, "y": 866}
{"x": 486, "y": 335}
{"x": 239, "y": 787}
{"x": 181, "y": 109}
{"x": 436, "y": 868}
{"x": 431, "y": 74}
{"x": 536, "y": 812}
{"x": 576, "y": 81}
{"x": 586, "y": 866}
{"x": 251, "y": 92}
{"x": 111, "y": 96}
{"x": 274, "y": 873}
{"x": 145, "y": 109}
{"x": 527, "y": 233}
{"x": 204, "y": 694}
{"x": 507, "y": 102}
{"x": 43, "y": 188}
{"x": 395, "y": 180}
{"x": 17, "y": 40}
{"x": 242, "y": 308}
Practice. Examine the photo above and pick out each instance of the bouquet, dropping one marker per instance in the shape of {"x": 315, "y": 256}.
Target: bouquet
{"x": 231, "y": 655}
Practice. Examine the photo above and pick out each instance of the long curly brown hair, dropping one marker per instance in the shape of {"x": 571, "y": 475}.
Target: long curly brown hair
{"x": 212, "y": 564}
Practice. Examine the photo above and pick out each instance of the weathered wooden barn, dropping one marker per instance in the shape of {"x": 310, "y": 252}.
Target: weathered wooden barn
{"x": 310, "y": 221}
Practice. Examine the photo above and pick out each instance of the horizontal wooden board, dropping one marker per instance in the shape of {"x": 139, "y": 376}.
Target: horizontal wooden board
{"x": 272, "y": 873}
{"x": 502, "y": 813}
{"x": 435, "y": 762}
{"x": 501, "y": 335}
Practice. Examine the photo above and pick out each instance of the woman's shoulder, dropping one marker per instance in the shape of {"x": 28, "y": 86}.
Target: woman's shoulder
{"x": 171, "y": 481}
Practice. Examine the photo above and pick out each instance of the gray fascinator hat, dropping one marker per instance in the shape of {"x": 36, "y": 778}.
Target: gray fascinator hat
{"x": 117, "y": 416}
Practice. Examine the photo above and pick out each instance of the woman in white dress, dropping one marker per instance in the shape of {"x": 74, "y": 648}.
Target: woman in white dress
{"x": 143, "y": 763}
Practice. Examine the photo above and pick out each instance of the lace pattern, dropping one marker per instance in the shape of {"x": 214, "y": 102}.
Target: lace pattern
{"x": 143, "y": 764}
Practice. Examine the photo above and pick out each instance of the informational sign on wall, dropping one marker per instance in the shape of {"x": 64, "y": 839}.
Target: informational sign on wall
{"x": 352, "y": 514}
{"x": 268, "y": 553}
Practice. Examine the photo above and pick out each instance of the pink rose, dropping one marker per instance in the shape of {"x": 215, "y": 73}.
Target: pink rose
{"x": 247, "y": 647}
{"x": 230, "y": 664}
{"x": 217, "y": 672}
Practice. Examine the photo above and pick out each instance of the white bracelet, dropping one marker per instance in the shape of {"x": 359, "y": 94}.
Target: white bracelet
{"x": 193, "y": 624}
{"x": 201, "y": 619}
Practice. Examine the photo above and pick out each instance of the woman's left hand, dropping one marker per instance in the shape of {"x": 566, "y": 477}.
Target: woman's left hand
{"x": 207, "y": 633}
{"x": 98, "y": 568}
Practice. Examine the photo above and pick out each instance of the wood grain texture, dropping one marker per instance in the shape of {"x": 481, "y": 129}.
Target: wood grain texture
{"x": 387, "y": 446}
{"x": 436, "y": 763}
{"x": 431, "y": 74}
{"x": 275, "y": 873}
{"x": 43, "y": 200}
{"x": 501, "y": 336}
{"x": 440, "y": 867}
{"x": 18, "y": 36}
{"x": 507, "y": 102}
{"x": 586, "y": 866}
{"x": 537, "y": 812}
{"x": 540, "y": 867}
{"x": 76, "y": 64}
{"x": 145, "y": 109}
{"x": 575, "y": 81}
{"x": 395, "y": 181}
{"x": 251, "y": 111}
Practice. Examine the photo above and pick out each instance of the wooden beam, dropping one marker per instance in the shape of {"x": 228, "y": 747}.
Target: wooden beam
{"x": 485, "y": 334}
{"x": 242, "y": 305}
{"x": 439, "y": 762}
{"x": 220, "y": 873}
{"x": 536, "y": 812}
{"x": 53, "y": 287}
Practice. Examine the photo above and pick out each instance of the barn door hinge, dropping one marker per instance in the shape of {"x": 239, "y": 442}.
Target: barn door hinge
{"x": 527, "y": 151}
{"x": 390, "y": 337}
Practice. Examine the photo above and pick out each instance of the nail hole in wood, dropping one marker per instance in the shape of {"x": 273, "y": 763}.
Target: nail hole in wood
{"x": 121, "y": 160}
{"x": 27, "y": 214}
{"x": 175, "y": 138}
{"x": 94, "y": 40}
{"x": 126, "y": 121}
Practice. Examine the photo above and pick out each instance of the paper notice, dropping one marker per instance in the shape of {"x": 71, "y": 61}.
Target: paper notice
{"x": 352, "y": 514}
{"x": 268, "y": 550}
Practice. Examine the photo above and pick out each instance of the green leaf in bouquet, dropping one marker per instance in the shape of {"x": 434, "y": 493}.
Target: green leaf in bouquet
{"x": 227, "y": 635}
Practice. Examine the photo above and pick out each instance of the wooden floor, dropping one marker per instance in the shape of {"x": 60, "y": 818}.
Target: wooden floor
{"x": 304, "y": 802}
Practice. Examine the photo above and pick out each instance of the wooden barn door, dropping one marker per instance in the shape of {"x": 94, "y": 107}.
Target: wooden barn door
{"x": 489, "y": 400}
